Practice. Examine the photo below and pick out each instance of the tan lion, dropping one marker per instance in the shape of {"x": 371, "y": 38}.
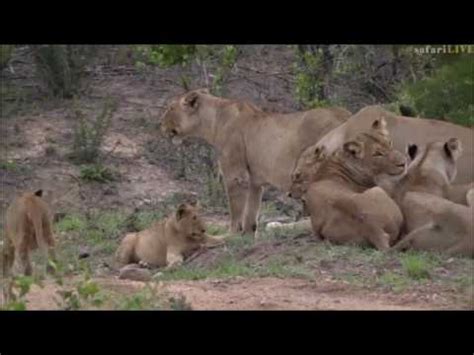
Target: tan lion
{"x": 438, "y": 225}
{"x": 432, "y": 222}
{"x": 343, "y": 200}
{"x": 167, "y": 242}
{"x": 404, "y": 131}
{"x": 254, "y": 148}
{"x": 460, "y": 194}
{"x": 29, "y": 226}
{"x": 432, "y": 171}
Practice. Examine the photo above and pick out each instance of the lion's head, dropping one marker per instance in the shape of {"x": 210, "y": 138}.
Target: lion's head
{"x": 183, "y": 114}
{"x": 361, "y": 160}
{"x": 189, "y": 223}
{"x": 438, "y": 159}
{"x": 373, "y": 153}
{"x": 305, "y": 170}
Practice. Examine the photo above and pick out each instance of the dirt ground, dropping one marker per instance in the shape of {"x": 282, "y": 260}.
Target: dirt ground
{"x": 261, "y": 294}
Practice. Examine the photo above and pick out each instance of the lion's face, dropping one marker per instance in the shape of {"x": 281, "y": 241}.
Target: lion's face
{"x": 189, "y": 223}
{"x": 373, "y": 153}
{"x": 182, "y": 117}
{"x": 370, "y": 154}
{"x": 438, "y": 156}
{"x": 305, "y": 170}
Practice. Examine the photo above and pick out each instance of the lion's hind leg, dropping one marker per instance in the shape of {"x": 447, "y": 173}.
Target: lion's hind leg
{"x": 126, "y": 251}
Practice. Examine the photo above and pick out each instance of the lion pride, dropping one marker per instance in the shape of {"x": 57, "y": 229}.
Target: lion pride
{"x": 254, "y": 148}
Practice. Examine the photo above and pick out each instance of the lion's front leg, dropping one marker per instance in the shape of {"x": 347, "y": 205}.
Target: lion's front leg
{"x": 237, "y": 190}
{"x": 173, "y": 258}
{"x": 212, "y": 241}
{"x": 252, "y": 208}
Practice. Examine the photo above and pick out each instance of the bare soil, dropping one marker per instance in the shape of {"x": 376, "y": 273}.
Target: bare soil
{"x": 261, "y": 294}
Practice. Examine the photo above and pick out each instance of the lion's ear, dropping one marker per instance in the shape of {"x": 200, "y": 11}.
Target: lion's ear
{"x": 191, "y": 100}
{"x": 195, "y": 203}
{"x": 320, "y": 152}
{"x": 412, "y": 151}
{"x": 354, "y": 148}
{"x": 181, "y": 211}
{"x": 453, "y": 148}
{"x": 39, "y": 193}
{"x": 380, "y": 125}
{"x": 204, "y": 91}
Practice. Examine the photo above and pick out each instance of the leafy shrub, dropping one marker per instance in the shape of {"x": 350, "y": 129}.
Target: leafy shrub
{"x": 5, "y": 54}
{"x": 89, "y": 135}
{"x": 96, "y": 172}
{"x": 61, "y": 67}
{"x": 445, "y": 95}
{"x": 308, "y": 85}
{"x": 165, "y": 55}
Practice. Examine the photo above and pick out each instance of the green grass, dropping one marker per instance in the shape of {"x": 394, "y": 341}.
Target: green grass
{"x": 13, "y": 166}
{"x": 215, "y": 229}
{"x": 97, "y": 173}
{"x": 71, "y": 222}
{"x": 279, "y": 253}
{"x": 417, "y": 266}
{"x": 394, "y": 281}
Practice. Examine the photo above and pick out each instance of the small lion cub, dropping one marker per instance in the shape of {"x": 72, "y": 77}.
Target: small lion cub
{"x": 167, "y": 242}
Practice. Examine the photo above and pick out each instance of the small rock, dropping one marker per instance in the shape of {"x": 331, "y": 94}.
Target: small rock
{"x": 84, "y": 253}
{"x": 134, "y": 273}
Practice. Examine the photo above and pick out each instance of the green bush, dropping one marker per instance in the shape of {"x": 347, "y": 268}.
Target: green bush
{"x": 5, "y": 54}
{"x": 96, "y": 173}
{"x": 61, "y": 67}
{"x": 165, "y": 55}
{"x": 307, "y": 83}
{"x": 89, "y": 134}
{"x": 445, "y": 95}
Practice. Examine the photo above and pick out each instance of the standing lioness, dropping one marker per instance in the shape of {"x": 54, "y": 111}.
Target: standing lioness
{"x": 254, "y": 148}
{"x": 167, "y": 242}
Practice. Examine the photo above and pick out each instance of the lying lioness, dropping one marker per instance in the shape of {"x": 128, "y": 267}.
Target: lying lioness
{"x": 167, "y": 242}
{"x": 344, "y": 203}
{"x": 432, "y": 222}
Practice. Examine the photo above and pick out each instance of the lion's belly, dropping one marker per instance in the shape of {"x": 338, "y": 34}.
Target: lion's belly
{"x": 150, "y": 251}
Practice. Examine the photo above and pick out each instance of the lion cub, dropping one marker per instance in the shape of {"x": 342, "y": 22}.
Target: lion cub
{"x": 167, "y": 242}
{"x": 29, "y": 226}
